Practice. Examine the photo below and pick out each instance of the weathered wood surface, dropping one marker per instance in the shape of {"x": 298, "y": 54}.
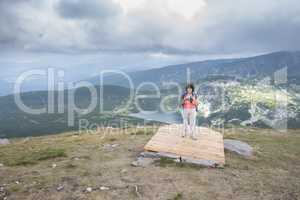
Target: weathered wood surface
{"x": 208, "y": 147}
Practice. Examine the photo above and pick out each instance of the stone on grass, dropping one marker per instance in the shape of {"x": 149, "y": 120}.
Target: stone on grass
{"x": 238, "y": 147}
{"x": 104, "y": 188}
{"x": 1, "y": 165}
{"x": 110, "y": 147}
{"x": 3, "y": 193}
{"x": 148, "y": 154}
{"x": 142, "y": 162}
{"x": 205, "y": 163}
{"x": 60, "y": 188}
{"x": 89, "y": 189}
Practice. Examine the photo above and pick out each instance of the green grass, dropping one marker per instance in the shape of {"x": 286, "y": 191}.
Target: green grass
{"x": 29, "y": 157}
{"x": 272, "y": 172}
{"x": 178, "y": 196}
{"x": 271, "y": 149}
{"x": 143, "y": 132}
{"x": 38, "y": 149}
{"x": 164, "y": 162}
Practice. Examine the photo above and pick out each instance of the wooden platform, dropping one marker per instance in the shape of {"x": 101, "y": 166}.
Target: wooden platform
{"x": 208, "y": 148}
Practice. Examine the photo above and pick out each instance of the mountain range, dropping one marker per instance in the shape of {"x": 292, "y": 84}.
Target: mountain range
{"x": 245, "y": 68}
{"x": 248, "y": 101}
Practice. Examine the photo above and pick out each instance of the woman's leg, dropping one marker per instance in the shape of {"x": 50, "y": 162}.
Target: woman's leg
{"x": 185, "y": 122}
{"x": 193, "y": 115}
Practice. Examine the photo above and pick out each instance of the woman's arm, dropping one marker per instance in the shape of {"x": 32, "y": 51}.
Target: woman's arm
{"x": 183, "y": 98}
{"x": 195, "y": 101}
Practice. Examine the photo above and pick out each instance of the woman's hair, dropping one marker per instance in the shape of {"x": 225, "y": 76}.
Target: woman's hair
{"x": 190, "y": 85}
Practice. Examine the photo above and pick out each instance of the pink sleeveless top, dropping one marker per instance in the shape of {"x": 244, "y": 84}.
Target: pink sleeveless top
{"x": 188, "y": 105}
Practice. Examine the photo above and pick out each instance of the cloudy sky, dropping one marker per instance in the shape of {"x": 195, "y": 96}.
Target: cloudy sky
{"x": 77, "y": 35}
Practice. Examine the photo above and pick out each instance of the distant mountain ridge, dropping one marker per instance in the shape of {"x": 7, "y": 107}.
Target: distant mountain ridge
{"x": 5, "y": 88}
{"x": 263, "y": 65}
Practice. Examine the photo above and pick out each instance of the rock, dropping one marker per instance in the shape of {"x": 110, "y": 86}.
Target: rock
{"x": 124, "y": 171}
{"x": 89, "y": 189}
{"x": 54, "y": 165}
{"x": 60, "y": 188}
{"x": 110, "y": 147}
{"x": 4, "y": 141}
{"x": 205, "y": 163}
{"x": 135, "y": 164}
{"x": 1, "y": 165}
{"x": 238, "y": 147}
{"x": 149, "y": 154}
{"x": 178, "y": 159}
{"x": 142, "y": 162}
{"x": 3, "y": 193}
{"x": 104, "y": 188}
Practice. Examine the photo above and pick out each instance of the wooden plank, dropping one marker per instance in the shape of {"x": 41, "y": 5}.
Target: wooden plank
{"x": 208, "y": 146}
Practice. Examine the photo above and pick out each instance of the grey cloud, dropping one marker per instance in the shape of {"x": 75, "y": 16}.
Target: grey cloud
{"x": 143, "y": 31}
{"x": 13, "y": 34}
{"x": 87, "y": 9}
{"x": 223, "y": 27}
{"x": 8, "y": 24}
{"x": 251, "y": 26}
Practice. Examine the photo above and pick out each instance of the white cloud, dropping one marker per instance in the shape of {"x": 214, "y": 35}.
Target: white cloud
{"x": 131, "y": 5}
{"x": 186, "y": 8}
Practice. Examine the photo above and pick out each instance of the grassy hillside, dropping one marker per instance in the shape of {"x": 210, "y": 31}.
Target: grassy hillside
{"x": 223, "y": 101}
{"x": 63, "y": 166}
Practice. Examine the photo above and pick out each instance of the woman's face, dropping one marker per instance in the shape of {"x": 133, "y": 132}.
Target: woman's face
{"x": 189, "y": 90}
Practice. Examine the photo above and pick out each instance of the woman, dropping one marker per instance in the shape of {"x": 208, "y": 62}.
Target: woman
{"x": 189, "y": 112}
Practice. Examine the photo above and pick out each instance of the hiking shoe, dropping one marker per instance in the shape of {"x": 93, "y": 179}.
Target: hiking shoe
{"x": 193, "y": 138}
